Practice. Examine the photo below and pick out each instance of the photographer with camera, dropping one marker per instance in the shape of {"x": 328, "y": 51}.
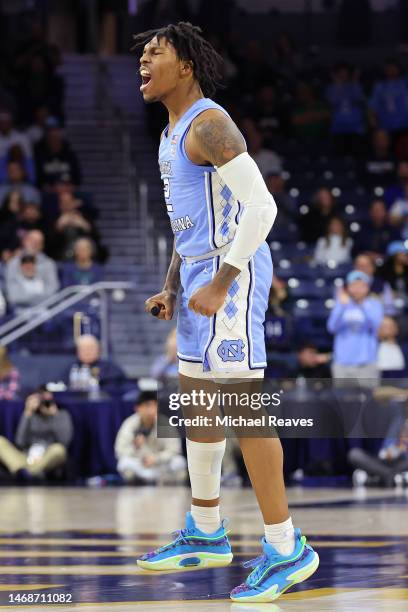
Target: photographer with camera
{"x": 42, "y": 439}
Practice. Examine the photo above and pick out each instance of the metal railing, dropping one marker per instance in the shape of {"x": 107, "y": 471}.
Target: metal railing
{"x": 25, "y": 322}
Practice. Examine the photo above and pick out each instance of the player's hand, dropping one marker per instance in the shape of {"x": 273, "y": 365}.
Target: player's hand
{"x": 166, "y": 301}
{"x": 208, "y": 299}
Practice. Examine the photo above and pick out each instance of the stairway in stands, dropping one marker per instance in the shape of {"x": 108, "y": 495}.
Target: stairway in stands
{"x": 103, "y": 108}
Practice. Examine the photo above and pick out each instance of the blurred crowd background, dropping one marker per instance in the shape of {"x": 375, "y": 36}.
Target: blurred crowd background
{"x": 320, "y": 92}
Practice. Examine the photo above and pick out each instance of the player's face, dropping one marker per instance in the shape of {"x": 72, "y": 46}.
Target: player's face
{"x": 159, "y": 69}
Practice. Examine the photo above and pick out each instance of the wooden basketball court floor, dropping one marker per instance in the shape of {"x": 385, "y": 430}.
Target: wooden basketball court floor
{"x": 83, "y": 543}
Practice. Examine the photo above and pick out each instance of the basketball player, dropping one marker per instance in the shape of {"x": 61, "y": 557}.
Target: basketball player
{"x": 221, "y": 212}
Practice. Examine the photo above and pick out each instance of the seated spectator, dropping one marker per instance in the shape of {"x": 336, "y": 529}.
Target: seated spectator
{"x": 55, "y": 159}
{"x": 83, "y": 270}
{"x": 399, "y": 190}
{"x": 336, "y": 246}
{"x": 142, "y": 456}
{"x": 354, "y": 322}
{"x": 9, "y": 213}
{"x": 70, "y": 225}
{"x": 42, "y": 439}
{"x": 26, "y": 287}
{"x": 379, "y": 165}
{"x": 288, "y": 211}
{"x": 9, "y": 377}
{"x": 16, "y": 181}
{"x": 389, "y": 100}
{"x": 377, "y": 232}
{"x": 314, "y": 223}
{"x": 390, "y": 358}
{"x": 16, "y": 154}
{"x": 268, "y": 161}
{"x": 33, "y": 244}
{"x": 268, "y": 113}
{"x": 29, "y": 219}
{"x": 310, "y": 116}
{"x": 9, "y": 136}
{"x": 166, "y": 366}
{"x": 279, "y": 298}
{"x": 346, "y": 99}
{"x": 395, "y": 268}
{"x": 36, "y": 131}
{"x": 88, "y": 367}
{"x": 311, "y": 363}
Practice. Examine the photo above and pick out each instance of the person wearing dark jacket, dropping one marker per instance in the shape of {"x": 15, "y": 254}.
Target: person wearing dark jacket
{"x": 42, "y": 439}
{"x": 55, "y": 160}
{"x": 89, "y": 370}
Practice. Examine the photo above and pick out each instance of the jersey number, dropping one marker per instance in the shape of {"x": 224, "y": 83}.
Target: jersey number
{"x": 166, "y": 188}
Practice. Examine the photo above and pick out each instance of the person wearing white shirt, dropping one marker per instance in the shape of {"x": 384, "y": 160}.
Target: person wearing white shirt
{"x": 335, "y": 246}
{"x": 390, "y": 356}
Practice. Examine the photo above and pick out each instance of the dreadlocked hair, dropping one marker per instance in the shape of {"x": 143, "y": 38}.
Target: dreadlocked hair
{"x": 190, "y": 46}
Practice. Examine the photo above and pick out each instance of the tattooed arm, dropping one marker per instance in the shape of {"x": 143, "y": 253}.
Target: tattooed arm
{"x": 215, "y": 139}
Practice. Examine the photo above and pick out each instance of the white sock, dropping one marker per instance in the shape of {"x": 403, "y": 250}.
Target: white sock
{"x": 206, "y": 519}
{"x": 281, "y": 536}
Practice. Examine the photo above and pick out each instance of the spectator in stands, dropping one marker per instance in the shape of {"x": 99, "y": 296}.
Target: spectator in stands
{"x": 26, "y": 288}
{"x": 166, "y": 365}
{"x": 30, "y": 218}
{"x": 310, "y": 115}
{"x": 395, "y": 268}
{"x": 279, "y": 297}
{"x": 36, "y": 131}
{"x": 377, "y": 232}
{"x": 335, "y": 246}
{"x": 268, "y": 114}
{"x": 42, "y": 439}
{"x": 11, "y": 206}
{"x": 268, "y": 161}
{"x": 389, "y": 100}
{"x": 9, "y": 136}
{"x": 70, "y": 225}
{"x": 16, "y": 154}
{"x": 89, "y": 366}
{"x": 252, "y": 67}
{"x": 314, "y": 223}
{"x": 9, "y": 377}
{"x": 364, "y": 262}
{"x": 354, "y": 322}
{"x": 55, "y": 158}
{"x": 16, "y": 181}
{"x": 82, "y": 270}
{"x": 380, "y": 164}
{"x": 391, "y": 360}
{"x": 399, "y": 211}
{"x": 311, "y": 363}
{"x": 142, "y": 456}
{"x": 288, "y": 211}
{"x": 346, "y": 99}
{"x": 33, "y": 244}
{"x": 398, "y": 191}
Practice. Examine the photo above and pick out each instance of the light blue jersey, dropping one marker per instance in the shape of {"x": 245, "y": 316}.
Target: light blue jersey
{"x": 203, "y": 213}
{"x": 204, "y": 217}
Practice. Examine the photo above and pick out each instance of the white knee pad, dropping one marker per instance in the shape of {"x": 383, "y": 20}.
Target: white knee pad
{"x": 204, "y": 467}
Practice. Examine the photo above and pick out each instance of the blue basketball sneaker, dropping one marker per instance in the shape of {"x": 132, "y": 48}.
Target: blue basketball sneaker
{"x": 274, "y": 574}
{"x": 191, "y": 548}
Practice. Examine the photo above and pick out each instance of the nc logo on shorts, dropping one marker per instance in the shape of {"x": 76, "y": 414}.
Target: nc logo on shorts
{"x": 231, "y": 350}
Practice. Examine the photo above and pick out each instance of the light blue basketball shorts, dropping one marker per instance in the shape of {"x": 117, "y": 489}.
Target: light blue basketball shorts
{"x": 232, "y": 341}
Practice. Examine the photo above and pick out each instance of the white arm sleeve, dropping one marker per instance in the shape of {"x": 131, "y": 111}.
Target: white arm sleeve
{"x": 243, "y": 178}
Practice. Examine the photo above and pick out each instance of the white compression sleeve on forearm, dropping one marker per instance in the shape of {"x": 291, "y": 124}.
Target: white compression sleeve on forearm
{"x": 243, "y": 178}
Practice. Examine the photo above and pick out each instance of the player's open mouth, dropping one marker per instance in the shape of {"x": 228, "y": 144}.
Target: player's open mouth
{"x": 146, "y": 78}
